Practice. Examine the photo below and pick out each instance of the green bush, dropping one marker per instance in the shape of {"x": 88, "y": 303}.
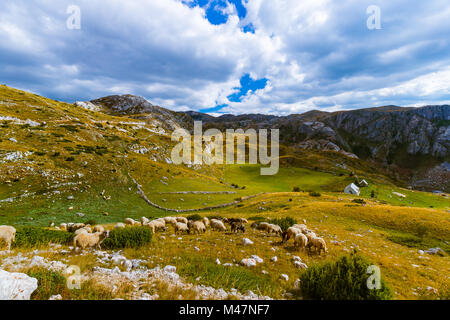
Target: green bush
{"x": 360, "y": 201}
{"x": 344, "y": 279}
{"x": 296, "y": 189}
{"x": 34, "y": 236}
{"x": 194, "y": 217}
{"x": 284, "y": 223}
{"x": 133, "y": 237}
{"x": 49, "y": 283}
{"x": 314, "y": 194}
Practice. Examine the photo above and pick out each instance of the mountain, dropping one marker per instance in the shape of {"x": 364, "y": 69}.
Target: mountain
{"x": 409, "y": 145}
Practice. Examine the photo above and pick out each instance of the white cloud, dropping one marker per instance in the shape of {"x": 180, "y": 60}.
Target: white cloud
{"x": 315, "y": 54}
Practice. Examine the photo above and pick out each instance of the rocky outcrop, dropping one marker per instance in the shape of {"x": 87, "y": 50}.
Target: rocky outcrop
{"x": 16, "y": 286}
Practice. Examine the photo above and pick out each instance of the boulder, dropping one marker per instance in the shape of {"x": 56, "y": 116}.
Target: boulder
{"x": 16, "y": 286}
{"x": 248, "y": 262}
{"x": 247, "y": 242}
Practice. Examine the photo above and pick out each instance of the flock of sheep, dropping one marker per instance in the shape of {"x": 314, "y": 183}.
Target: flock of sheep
{"x": 86, "y": 236}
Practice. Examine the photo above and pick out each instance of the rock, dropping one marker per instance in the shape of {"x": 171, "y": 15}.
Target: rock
{"x": 227, "y": 264}
{"x": 248, "y": 262}
{"x": 274, "y": 259}
{"x": 70, "y": 198}
{"x": 297, "y": 284}
{"x": 257, "y": 259}
{"x": 296, "y": 258}
{"x": 55, "y": 297}
{"x": 247, "y": 242}
{"x": 170, "y": 269}
{"x": 16, "y": 286}
{"x": 217, "y": 261}
{"x": 81, "y": 215}
{"x": 421, "y": 252}
{"x": 435, "y": 251}
{"x": 300, "y": 265}
{"x": 264, "y": 272}
{"x": 284, "y": 277}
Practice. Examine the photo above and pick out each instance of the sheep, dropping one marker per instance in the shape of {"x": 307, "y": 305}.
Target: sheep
{"x": 182, "y": 219}
{"x": 63, "y": 227}
{"x": 263, "y": 226}
{"x": 119, "y": 225}
{"x": 170, "y": 220}
{"x": 231, "y": 220}
{"x": 7, "y": 235}
{"x": 218, "y": 225}
{"x": 318, "y": 244}
{"x": 254, "y": 225}
{"x": 291, "y": 232}
{"x": 196, "y": 227}
{"x": 98, "y": 228}
{"x": 144, "y": 221}
{"x": 310, "y": 235}
{"x": 206, "y": 222}
{"x": 89, "y": 240}
{"x": 237, "y": 226}
{"x": 301, "y": 240}
{"x": 302, "y": 227}
{"x": 72, "y": 227}
{"x": 157, "y": 225}
{"x": 273, "y": 228}
{"x": 131, "y": 222}
{"x": 80, "y": 231}
{"x": 181, "y": 227}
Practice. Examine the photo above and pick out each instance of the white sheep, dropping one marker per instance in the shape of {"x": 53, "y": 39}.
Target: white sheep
{"x": 80, "y": 231}
{"x": 170, "y": 220}
{"x": 182, "y": 219}
{"x": 273, "y": 228}
{"x": 301, "y": 240}
{"x": 302, "y": 227}
{"x": 318, "y": 244}
{"x": 89, "y": 240}
{"x": 291, "y": 232}
{"x": 144, "y": 221}
{"x": 196, "y": 227}
{"x": 181, "y": 227}
{"x": 119, "y": 225}
{"x": 98, "y": 228}
{"x": 156, "y": 225}
{"x": 310, "y": 236}
{"x": 206, "y": 222}
{"x": 218, "y": 225}
{"x": 72, "y": 227}
{"x": 131, "y": 222}
{"x": 7, "y": 235}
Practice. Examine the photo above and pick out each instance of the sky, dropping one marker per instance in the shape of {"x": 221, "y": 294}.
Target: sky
{"x": 231, "y": 56}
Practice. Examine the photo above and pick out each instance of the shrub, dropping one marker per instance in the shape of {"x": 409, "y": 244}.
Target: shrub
{"x": 314, "y": 194}
{"x": 70, "y": 159}
{"x": 132, "y": 237}
{"x": 344, "y": 279}
{"x": 35, "y": 236}
{"x": 49, "y": 283}
{"x": 296, "y": 189}
{"x": 194, "y": 217}
{"x": 284, "y": 223}
{"x": 372, "y": 194}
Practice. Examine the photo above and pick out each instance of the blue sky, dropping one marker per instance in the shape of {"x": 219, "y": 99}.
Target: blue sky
{"x": 231, "y": 56}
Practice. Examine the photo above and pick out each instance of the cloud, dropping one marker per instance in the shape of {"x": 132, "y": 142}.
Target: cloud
{"x": 194, "y": 54}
